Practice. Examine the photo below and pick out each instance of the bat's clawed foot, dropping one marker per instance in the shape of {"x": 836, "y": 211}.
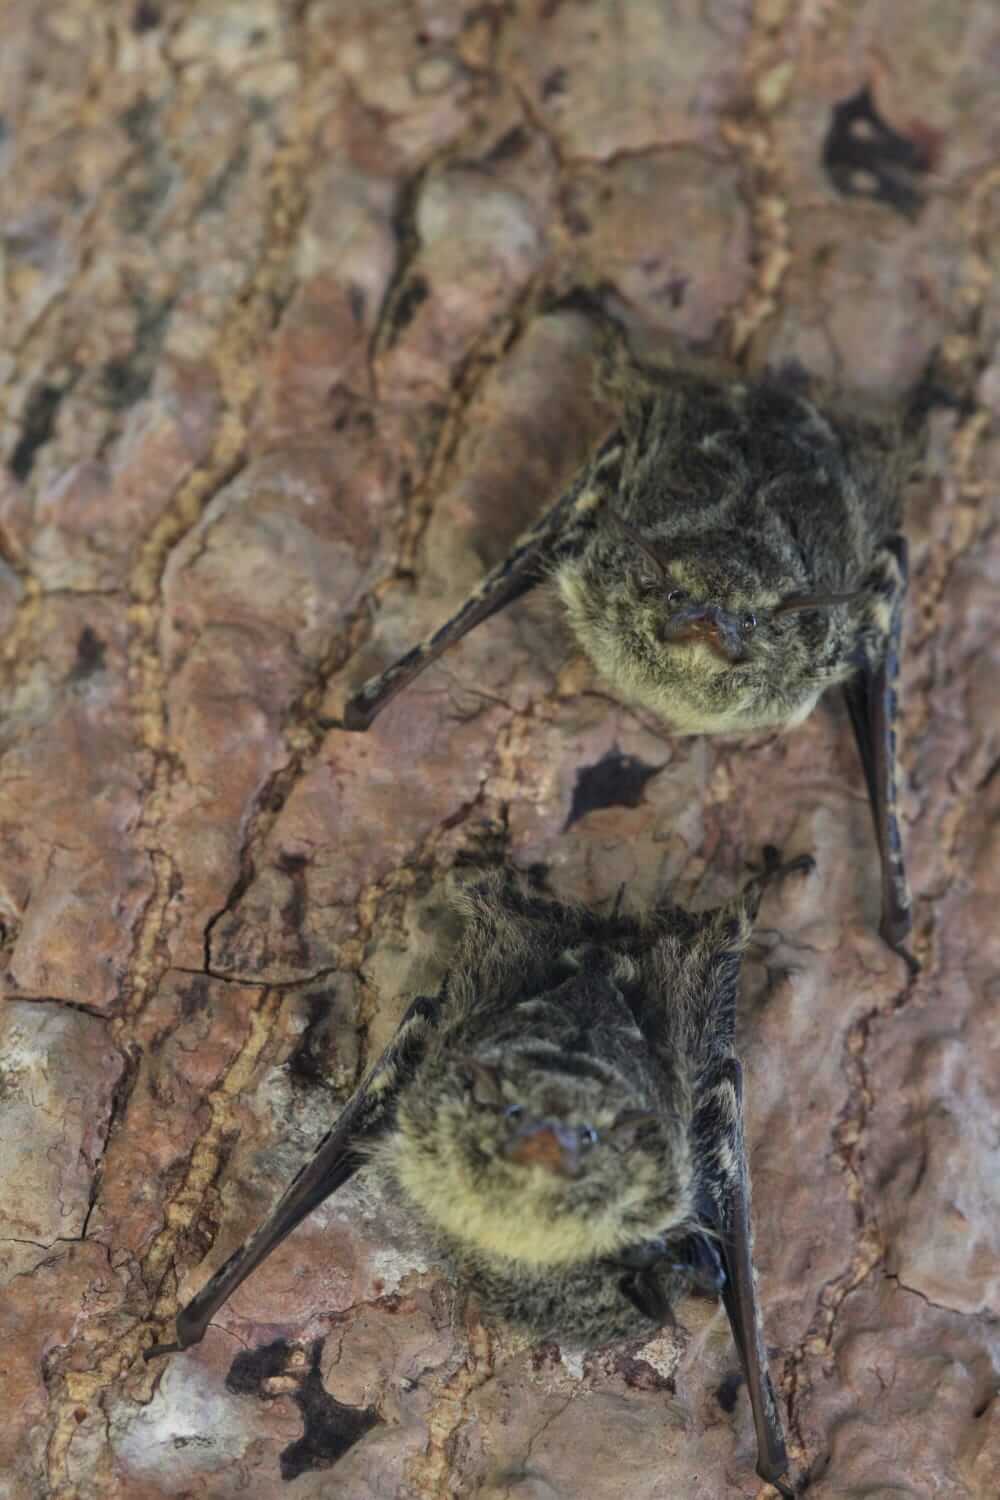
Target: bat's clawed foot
{"x": 359, "y": 715}
{"x": 775, "y": 868}
{"x": 895, "y": 936}
{"x": 780, "y": 1483}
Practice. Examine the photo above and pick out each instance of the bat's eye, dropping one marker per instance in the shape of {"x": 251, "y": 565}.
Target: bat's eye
{"x": 678, "y": 596}
{"x": 588, "y": 1137}
{"x": 513, "y": 1111}
{"x": 748, "y": 624}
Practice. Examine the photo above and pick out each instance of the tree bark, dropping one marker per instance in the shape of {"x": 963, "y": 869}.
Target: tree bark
{"x": 288, "y": 357}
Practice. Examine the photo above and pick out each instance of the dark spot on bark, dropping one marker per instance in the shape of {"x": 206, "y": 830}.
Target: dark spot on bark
{"x": 545, "y": 1355}
{"x": 677, "y": 290}
{"x": 728, "y": 1390}
{"x": 89, "y": 656}
{"x": 250, "y": 1369}
{"x": 145, "y": 17}
{"x": 865, "y": 157}
{"x": 3, "y": 129}
{"x": 137, "y": 121}
{"x": 641, "y": 1375}
{"x": 511, "y": 144}
{"x": 356, "y": 301}
{"x": 124, "y": 384}
{"x": 194, "y": 997}
{"x": 294, "y": 910}
{"x": 127, "y": 379}
{"x": 330, "y": 1427}
{"x": 616, "y": 780}
{"x": 310, "y": 1061}
{"x": 554, "y": 83}
{"x": 36, "y": 427}
{"x": 934, "y": 391}
{"x": 413, "y": 293}
{"x": 576, "y": 221}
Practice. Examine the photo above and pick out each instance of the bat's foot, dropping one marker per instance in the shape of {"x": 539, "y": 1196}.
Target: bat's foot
{"x": 775, "y": 868}
{"x": 777, "y": 1482}
{"x": 894, "y": 939}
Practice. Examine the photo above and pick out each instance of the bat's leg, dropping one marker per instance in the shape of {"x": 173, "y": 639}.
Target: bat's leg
{"x": 335, "y": 1161}
{"x": 739, "y": 1294}
{"x": 559, "y": 533}
{"x": 873, "y": 705}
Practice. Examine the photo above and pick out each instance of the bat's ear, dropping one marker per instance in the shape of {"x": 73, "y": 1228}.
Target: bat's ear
{"x": 483, "y": 1082}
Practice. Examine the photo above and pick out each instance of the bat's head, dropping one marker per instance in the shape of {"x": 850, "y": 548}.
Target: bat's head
{"x": 723, "y": 586}
{"x": 545, "y": 1161}
{"x": 714, "y": 641}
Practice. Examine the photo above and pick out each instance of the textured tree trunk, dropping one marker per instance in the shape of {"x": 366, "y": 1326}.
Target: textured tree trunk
{"x": 287, "y": 361}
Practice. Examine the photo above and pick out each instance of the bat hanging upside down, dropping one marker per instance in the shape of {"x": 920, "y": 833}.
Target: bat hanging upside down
{"x": 564, "y": 1119}
{"x": 730, "y": 552}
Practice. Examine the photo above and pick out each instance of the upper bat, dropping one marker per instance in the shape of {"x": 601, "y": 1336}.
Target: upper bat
{"x": 565, "y": 1120}
{"x": 728, "y": 553}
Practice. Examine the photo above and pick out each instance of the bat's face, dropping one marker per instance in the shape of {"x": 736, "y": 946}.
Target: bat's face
{"x": 541, "y": 1166}
{"x": 712, "y": 639}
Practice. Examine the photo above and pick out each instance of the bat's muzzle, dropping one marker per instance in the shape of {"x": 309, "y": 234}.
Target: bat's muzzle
{"x": 550, "y": 1145}
{"x": 714, "y": 627}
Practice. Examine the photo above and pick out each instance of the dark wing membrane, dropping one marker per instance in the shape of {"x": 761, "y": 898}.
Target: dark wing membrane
{"x": 367, "y": 1115}
{"x": 560, "y": 532}
{"x": 872, "y": 704}
{"x": 730, "y": 1191}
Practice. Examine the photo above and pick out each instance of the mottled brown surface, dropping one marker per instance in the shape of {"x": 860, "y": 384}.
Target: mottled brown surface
{"x": 284, "y": 367}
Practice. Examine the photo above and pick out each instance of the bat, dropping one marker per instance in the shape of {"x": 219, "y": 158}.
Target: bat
{"x": 730, "y": 552}
{"x": 564, "y": 1121}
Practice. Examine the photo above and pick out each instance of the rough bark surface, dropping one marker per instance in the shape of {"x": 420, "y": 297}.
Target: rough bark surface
{"x": 284, "y": 365}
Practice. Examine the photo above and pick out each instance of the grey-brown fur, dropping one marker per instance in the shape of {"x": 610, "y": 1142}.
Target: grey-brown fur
{"x": 612, "y": 1039}
{"x": 751, "y": 494}
{"x": 589, "y": 1021}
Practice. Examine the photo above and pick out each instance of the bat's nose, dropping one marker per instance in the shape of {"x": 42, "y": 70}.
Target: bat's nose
{"x": 712, "y": 625}
{"x": 548, "y": 1144}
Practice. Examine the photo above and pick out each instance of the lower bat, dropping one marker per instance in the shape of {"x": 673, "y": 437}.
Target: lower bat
{"x": 565, "y": 1121}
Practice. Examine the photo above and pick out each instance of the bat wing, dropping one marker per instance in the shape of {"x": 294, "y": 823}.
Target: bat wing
{"x": 558, "y": 534}
{"x": 335, "y": 1161}
{"x": 873, "y": 707}
{"x": 731, "y": 1197}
